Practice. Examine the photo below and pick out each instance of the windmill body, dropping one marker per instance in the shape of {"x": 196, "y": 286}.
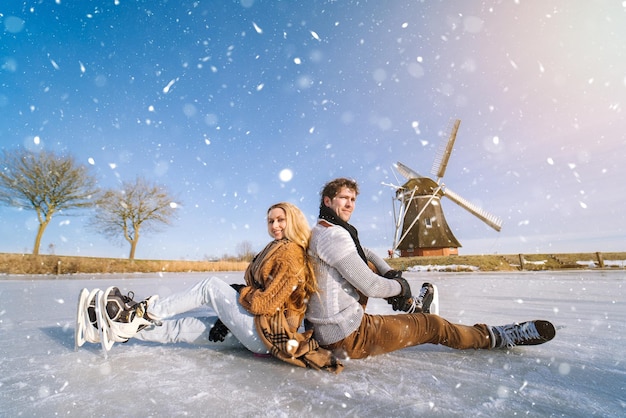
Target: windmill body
{"x": 430, "y": 235}
{"x": 421, "y": 227}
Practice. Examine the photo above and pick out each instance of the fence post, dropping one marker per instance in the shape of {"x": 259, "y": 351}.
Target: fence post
{"x": 600, "y": 259}
{"x": 521, "y": 261}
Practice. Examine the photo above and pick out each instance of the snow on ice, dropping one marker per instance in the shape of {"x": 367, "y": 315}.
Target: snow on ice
{"x": 580, "y": 373}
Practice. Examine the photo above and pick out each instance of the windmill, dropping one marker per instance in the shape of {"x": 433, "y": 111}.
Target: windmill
{"x": 421, "y": 228}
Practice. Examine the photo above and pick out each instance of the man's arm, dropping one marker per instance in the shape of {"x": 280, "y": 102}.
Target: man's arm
{"x": 336, "y": 248}
{"x": 377, "y": 261}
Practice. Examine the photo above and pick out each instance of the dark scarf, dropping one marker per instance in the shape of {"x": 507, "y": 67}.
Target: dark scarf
{"x": 329, "y": 215}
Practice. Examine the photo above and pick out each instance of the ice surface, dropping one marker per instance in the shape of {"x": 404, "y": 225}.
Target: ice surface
{"x": 580, "y": 373}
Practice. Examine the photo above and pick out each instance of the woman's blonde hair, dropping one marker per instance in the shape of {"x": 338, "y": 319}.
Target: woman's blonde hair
{"x": 298, "y": 231}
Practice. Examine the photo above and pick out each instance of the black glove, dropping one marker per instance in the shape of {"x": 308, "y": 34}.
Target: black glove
{"x": 400, "y": 301}
{"x": 218, "y": 332}
{"x": 237, "y": 287}
{"x": 393, "y": 274}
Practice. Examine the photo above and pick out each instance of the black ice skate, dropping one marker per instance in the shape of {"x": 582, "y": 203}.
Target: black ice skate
{"x": 526, "y": 333}
{"x": 122, "y": 317}
{"x": 427, "y": 301}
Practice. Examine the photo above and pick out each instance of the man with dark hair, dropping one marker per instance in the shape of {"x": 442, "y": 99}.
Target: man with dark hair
{"x": 337, "y": 312}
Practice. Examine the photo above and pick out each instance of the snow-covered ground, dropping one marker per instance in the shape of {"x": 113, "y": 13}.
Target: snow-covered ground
{"x": 581, "y": 373}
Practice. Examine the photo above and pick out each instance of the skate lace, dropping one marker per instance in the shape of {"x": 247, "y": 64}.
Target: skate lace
{"x": 129, "y": 298}
{"x": 514, "y": 334}
{"x": 139, "y": 309}
{"x": 413, "y": 305}
{"x": 420, "y": 297}
{"x": 416, "y": 303}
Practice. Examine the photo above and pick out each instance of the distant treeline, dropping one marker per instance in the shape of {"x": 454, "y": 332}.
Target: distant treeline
{"x": 53, "y": 264}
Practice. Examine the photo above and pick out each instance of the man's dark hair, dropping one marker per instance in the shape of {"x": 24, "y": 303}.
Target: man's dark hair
{"x": 333, "y": 187}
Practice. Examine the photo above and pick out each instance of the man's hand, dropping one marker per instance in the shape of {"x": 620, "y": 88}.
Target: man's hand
{"x": 218, "y": 332}
{"x": 393, "y": 274}
{"x": 401, "y": 301}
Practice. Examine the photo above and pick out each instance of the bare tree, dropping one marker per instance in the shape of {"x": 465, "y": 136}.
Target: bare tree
{"x": 138, "y": 207}
{"x": 245, "y": 251}
{"x": 47, "y": 183}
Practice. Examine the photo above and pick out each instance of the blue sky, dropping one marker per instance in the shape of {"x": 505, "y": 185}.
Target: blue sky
{"x": 215, "y": 99}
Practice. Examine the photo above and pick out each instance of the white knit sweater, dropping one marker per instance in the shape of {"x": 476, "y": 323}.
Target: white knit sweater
{"x": 334, "y": 312}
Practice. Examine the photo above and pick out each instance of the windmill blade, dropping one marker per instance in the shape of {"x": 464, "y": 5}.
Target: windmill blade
{"x": 391, "y": 185}
{"x": 491, "y": 220}
{"x": 443, "y": 155}
{"x": 395, "y": 174}
{"x": 406, "y": 171}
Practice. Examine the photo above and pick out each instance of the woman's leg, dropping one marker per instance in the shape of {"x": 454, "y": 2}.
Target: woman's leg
{"x": 181, "y": 302}
{"x": 223, "y": 299}
{"x": 185, "y": 330}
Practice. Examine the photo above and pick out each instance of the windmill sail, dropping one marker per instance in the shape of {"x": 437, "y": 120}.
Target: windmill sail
{"x": 491, "y": 220}
{"x": 443, "y": 155}
{"x": 406, "y": 171}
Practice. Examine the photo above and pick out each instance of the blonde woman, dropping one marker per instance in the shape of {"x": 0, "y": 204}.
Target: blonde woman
{"x": 264, "y": 315}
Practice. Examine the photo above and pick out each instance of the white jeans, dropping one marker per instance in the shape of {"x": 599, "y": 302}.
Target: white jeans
{"x": 211, "y": 292}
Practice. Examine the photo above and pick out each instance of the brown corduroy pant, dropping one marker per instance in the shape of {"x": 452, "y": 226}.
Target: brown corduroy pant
{"x": 379, "y": 334}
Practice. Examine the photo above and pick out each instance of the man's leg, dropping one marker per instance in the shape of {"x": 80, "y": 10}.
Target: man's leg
{"x": 379, "y": 334}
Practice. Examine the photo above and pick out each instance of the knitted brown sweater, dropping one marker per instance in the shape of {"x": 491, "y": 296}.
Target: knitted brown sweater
{"x": 275, "y": 280}
{"x": 275, "y": 294}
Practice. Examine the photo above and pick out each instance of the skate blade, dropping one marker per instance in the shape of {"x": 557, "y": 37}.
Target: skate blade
{"x": 103, "y": 325}
{"x": 79, "y": 334}
{"x": 82, "y": 331}
{"x": 434, "y": 305}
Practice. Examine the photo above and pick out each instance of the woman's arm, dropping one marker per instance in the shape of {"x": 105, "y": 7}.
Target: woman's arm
{"x": 281, "y": 275}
